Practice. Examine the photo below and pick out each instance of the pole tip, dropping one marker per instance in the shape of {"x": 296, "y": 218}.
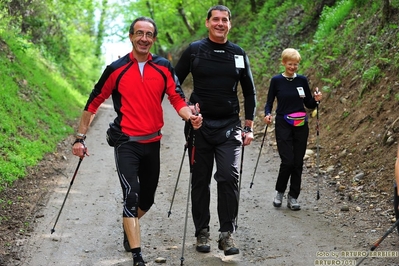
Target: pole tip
{"x": 52, "y": 231}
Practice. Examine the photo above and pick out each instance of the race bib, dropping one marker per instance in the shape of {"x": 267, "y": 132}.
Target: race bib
{"x": 239, "y": 59}
{"x": 301, "y": 92}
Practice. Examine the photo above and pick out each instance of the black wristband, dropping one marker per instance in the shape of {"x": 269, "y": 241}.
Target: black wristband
{"x": 79, "y": 141}
{"x": 247, "y": 129}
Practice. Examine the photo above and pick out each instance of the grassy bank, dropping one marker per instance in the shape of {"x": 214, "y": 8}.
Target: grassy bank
{"x": 38, "y": 107}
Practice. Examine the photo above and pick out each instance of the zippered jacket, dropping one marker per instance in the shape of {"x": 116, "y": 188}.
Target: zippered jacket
{"x": 217, "y": 69}
{"x": 138, "y": 98}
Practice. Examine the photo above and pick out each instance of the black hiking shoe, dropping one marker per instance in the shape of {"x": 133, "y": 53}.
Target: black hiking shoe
{"x": 203, "y": 241}
{"x": 126, "y": 243}
{"x": 226, "y": 243}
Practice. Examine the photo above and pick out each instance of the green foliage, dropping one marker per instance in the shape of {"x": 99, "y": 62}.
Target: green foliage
{"x": 4, "y": 18}
{"x": 371, "y": 74}
{"x": 333, "y": 82}
{"x": 48, "y": 57}
{"x": 331, "y": 18}
{"x": 37, "y": 104}
{"x": 267, "y": 44}
{"x": 168, "y": 17}
{"x": 55, "y": 55}
{"x": 64, "y": 32}
{"x": 345, "y": 114}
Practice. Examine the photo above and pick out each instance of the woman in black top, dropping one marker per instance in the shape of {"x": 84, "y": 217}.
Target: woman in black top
{"x": 293, "y": 95}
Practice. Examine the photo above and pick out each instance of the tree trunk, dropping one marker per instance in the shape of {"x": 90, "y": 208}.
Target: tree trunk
{"x": 386, "y": 12}
{"x": 253, "y": 6}
{"x": 182, "y": 13}
{"x": 101, "y": 29}
{"x": 169, "y": 38}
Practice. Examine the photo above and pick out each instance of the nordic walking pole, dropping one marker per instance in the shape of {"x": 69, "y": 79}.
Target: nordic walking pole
{"x": 257, "y": 161}
{"x": 317, "y": 148}
{"x": 178, "y": 175}
{"x": 70, "y": 185}
{"x": 177, "y": 181}
{"x": 378, "y": 242}
{"x": 192, "y": 161}
{"x": 239, "y": 182}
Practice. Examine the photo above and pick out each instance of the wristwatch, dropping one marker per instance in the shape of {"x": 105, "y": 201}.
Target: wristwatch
{"x": 81, "y": 135}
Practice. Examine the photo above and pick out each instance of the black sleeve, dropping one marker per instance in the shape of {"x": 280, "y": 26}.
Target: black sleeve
{"x": 248, "y": 90}
{"x": 271, "y": 95}
{"x": 309, "y": 100}
{"x": 182, "y": 68}
{"x": 98, "y": 87}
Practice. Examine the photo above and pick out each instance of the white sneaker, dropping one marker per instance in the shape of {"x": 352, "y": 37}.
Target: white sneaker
{"x": 293, "y": 204}
{"x": 278, "y": 199}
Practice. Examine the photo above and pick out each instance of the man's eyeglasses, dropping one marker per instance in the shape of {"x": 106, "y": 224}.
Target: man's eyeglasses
{"x": 141, "y": 34}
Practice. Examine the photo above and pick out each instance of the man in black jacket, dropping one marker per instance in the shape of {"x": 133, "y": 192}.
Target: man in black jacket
{"x": 217, "y": 66}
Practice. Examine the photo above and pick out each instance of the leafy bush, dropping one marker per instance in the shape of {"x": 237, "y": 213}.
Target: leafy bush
{"x": 331, "y": 18}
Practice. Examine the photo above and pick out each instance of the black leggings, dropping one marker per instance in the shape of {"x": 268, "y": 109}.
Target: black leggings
{"x": 138, "y": 167}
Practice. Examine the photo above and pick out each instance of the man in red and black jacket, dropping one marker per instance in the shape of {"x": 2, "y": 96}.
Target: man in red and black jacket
{"x": 137, "y": 82}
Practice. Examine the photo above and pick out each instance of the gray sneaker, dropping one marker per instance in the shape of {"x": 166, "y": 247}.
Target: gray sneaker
{"x": 226, "y": 243}
{"x": 203, "y": 241}
{"x": 278, "y": 199}
{"x": 293, "y": 204}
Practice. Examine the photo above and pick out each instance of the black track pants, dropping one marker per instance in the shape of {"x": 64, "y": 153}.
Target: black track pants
{"x": 291, "y": 144}
{"x": 227, "y": 156}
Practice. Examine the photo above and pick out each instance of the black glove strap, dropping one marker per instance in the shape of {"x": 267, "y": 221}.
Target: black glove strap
{"x": 79, "y": 141}
{"x": 247, "y": 129}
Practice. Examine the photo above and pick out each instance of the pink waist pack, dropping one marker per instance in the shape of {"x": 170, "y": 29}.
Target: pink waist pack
{"x": 296, "y": 119}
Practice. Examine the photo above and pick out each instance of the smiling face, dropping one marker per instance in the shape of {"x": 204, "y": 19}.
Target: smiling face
{"x": 218, "y": 26}
{"x": 291, "y": 67}
{"x": 290, "y": 59}
{"x": 142, "y": 39}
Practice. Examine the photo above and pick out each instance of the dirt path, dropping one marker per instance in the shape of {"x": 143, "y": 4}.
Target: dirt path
{"x": 89, "y": 229}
